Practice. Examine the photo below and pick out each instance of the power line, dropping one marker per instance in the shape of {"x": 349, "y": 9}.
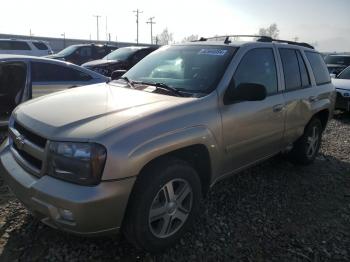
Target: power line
{"x": 137, "y": 11}
{"x": 97, "y": 33}
{"x": 150, "y": 21}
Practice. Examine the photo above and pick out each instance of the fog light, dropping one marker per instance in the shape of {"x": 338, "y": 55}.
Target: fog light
{"x": 66, "y": 214}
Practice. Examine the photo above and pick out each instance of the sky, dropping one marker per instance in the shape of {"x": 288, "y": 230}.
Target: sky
{"x": 324, "y": 23}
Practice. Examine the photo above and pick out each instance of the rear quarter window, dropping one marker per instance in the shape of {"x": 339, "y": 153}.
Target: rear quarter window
{"x": 40, "y": 46}
{"x": 319, "y": 68}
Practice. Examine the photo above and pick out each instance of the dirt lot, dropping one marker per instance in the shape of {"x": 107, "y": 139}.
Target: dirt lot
{"x": 272, "y": 212}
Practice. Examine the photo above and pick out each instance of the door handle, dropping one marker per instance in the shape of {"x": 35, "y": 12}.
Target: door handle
{"x": 313, "y": 99}
{"x": 278, "y": 108}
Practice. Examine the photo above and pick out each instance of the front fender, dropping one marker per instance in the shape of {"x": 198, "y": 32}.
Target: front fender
{"x": 132, "y": 163}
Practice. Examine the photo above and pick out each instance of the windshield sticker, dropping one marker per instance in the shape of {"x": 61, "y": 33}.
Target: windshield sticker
{"x": 218, "y": 52}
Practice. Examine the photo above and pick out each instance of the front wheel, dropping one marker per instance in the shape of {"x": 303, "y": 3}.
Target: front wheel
{"x": 163, "y": 205}
{"x": 306, "y": 147}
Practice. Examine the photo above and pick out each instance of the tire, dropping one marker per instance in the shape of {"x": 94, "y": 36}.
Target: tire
{"x": 152, "y": 221}
{"x": 303, "y": 153}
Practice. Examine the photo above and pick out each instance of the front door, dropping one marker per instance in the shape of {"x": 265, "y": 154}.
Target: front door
{"x": 253, "y": 130}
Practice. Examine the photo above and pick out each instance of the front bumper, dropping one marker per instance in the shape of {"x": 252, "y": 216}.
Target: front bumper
{"x": 95, "y": 210}
{"x": 342, "y": 103}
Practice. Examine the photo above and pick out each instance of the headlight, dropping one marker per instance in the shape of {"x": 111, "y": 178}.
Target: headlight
{"x": 80, "y": 163}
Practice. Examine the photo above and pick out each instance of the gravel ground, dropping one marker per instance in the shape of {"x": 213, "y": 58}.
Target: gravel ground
{"x": 272, "y": 212}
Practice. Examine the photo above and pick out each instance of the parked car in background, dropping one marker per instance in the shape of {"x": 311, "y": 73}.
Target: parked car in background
{"x": 25, "y": 47}
{"x": 342, "y": 86}
{"x": 122, "y": 59}
{"x": 80, "y": 54}
{"x": 25, "y": 77}
{"x": 337, "y": 63}
{"x": 137, "y": 154}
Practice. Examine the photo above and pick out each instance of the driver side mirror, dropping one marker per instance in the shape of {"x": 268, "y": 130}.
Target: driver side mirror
{"x": 244, "y": 92}
{"x": 117, "y": 74}
{"x": 333, "y": 75}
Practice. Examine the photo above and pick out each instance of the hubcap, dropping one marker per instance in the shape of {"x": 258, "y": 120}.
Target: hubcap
{"x": 170, "y": 208}
{"x": 312, "y": 142}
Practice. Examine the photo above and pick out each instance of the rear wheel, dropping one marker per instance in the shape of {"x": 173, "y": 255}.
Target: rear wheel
{"x": 163, "y": 205}
{"x": 306, "y": 148}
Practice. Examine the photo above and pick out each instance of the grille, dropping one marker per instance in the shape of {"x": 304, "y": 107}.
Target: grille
{"x": 38, "y": 140}
{"x": 28, "y": 148}
{"x": 342, "y": 102}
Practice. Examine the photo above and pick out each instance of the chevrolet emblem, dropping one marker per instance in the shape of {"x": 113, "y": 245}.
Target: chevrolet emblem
{"x": 19, "y": 141}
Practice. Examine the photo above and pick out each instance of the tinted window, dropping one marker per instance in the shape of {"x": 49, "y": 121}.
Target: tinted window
{"x": 14, "y": 45}
{"x": 291, "y": 72}
{"x": 85, "y": 51}
{"x": 102, "y": 51}
{"x": 258, "y": 66}
{"x": 140, "y": 55}
{"x": 18, "y": 45}
{"x": 40, "y": 45}
{"x": 4, "y": 45}
{"x": 345, "y": 74}
{"x": 319, "y": 68}
{"x": 45, "y": 72}
{"x": 305, "y": 78}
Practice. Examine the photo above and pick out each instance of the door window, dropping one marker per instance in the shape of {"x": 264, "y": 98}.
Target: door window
{"x": 85, "y": 51}
{"x": 40, "y": 45}
{"x": 305, "y": 78}
{"x": 45, "y": 72}
{"x": 258, "y": 66}
{"x": 14, "y": 45}
{"x": 291, "y": 71}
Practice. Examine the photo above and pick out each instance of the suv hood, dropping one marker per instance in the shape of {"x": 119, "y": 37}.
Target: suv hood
{"x": 84, "y": 113}
{"x": 341, "y": 83}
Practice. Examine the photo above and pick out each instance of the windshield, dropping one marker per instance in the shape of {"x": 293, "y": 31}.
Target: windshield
{"x": 67, "y": 51}
{"x": 120, "y": 54}
{"x": 338, "y": 60}
{"x": 345, "y": 74}
{"x": 194, "y": 69}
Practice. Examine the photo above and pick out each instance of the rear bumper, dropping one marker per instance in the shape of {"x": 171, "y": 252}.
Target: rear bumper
{"x": 93, "y": 210}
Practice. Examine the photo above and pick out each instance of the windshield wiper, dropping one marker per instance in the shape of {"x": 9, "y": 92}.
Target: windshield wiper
{"x": 163, "y": 86}
{"x": 128, "y": 81}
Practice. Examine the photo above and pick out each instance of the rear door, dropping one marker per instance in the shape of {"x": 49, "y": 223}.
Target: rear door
{"x": 253, "y": 130}
{"x": 300, "y": 94}
{"x": 48, "y": 78}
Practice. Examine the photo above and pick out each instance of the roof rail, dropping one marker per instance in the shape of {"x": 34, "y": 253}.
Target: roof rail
{"x": 258, "y": 38}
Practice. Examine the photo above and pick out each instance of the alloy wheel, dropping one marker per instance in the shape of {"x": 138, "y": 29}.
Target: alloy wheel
{"x": 170, "y": 208}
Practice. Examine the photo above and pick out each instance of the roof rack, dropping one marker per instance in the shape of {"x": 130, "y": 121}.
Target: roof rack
{"x": 258, "y": 38}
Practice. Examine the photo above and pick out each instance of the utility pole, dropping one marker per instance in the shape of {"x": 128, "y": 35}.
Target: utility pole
{"x": 137, "y": 11}
{"x": 97, "y": 17}
{"x": 64, "y": 40}
{"x": 150, "y": 21}
{"x": 106, "y": 29}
